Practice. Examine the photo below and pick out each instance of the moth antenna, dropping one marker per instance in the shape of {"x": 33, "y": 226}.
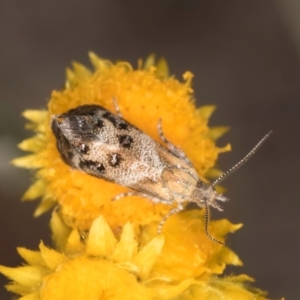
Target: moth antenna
{"x": 206, "y": 225}
{"x": 243, "y": 161}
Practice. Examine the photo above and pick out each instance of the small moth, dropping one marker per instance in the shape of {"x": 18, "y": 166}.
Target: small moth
{"x": 92, "y": 139}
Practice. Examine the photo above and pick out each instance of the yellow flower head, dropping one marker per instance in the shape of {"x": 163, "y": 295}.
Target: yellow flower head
{"x": 100, "y": 266}
{"x": 101, "y": 254}
{"x": 144, "y": 96}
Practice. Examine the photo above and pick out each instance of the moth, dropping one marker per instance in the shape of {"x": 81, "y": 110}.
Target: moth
{"x": 97, "y": 142}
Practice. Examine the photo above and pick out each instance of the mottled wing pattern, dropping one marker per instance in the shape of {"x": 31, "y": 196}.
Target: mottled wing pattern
{"x": 99, "y": 143}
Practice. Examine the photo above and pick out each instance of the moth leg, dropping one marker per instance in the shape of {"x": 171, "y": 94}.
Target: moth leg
{"x": 168, "y": 215}
{"x": 151, "y": 198}
{"x": 117, "y": 108}
{"x": 176, "y": 151}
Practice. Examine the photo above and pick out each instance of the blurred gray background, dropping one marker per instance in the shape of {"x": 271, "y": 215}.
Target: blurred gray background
{"x": 246, "y": 59}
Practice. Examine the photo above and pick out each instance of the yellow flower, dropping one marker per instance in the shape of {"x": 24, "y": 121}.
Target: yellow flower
{"x": 144, "y": 96}
{"x": 111, "y": 250}
{"x": 181, "y": 264}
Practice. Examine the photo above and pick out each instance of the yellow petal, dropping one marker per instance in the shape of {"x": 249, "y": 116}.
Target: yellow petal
{"x": 34, "y": 144}
{"x": 218, "y": 262}
{"x": 229, "y": 257}
{"x": 37, "y": 127}
{"x": 127, "y": 246}
{"x": 51, "y": 257}
{"x": 71, "y": 78}
{"x": 149, "y": 62}
{"x": 81, "y": 71}
{"x": 32, "y": 161}
{"x": 18, "y": 289}
{"x": 44, "y": 206}
{"x": 74, "y": 244}
{"x": 206, "y": 111}
{"x": 35, "y": 191}
{"x": 224, "y": 149}
{"x": 162, "y": 70}
{"x": 217, "y": 132}
{"x": 101, "y": 241}
{"x": 224, "y": 226}
{"x": 36, "y": 116}
{"x": 26, "y": 276}
{"x": 31, "y": 257}
{"x": 60, "y": 231}
{"x": 146, "y": 258}
{"x": 98, "y": 62}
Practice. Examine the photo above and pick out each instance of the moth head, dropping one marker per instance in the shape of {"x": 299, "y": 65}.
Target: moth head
{"x": 205, "y": 195}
